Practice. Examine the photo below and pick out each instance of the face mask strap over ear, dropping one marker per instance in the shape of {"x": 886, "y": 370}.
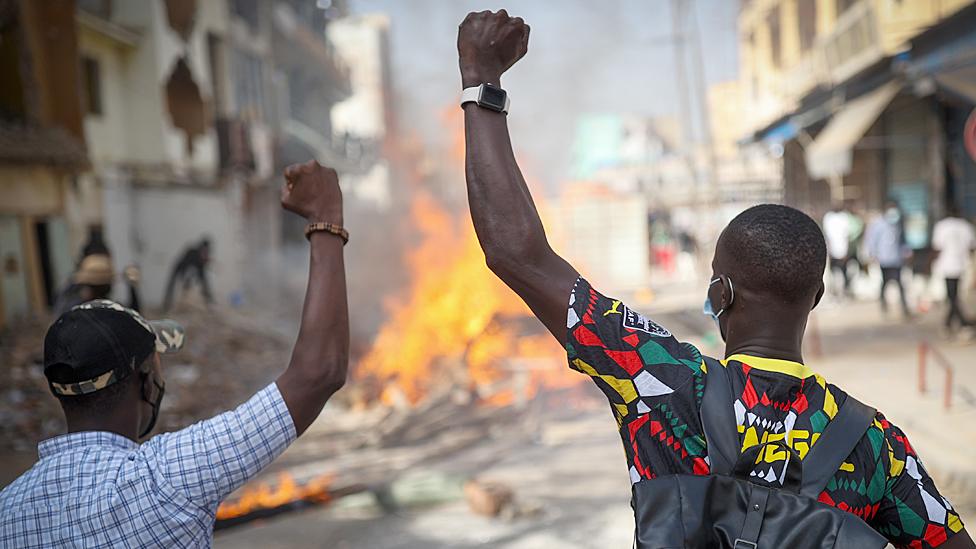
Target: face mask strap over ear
{"x": 731, "y": 294}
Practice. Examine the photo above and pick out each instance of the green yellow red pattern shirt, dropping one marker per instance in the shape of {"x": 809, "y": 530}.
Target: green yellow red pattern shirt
{"x": 655, "y": 385}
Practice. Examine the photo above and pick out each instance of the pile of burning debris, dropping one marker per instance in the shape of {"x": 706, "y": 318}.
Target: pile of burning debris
{"x": 380, "y": 452}
{"x": 459, "y": 361}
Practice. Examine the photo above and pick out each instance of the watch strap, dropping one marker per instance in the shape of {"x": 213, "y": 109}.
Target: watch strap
{"x": 473, "y": 95}
{"x": 470, "y": 95}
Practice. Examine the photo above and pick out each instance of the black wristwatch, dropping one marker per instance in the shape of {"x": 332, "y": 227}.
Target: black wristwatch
{"x": 486, "y": 96}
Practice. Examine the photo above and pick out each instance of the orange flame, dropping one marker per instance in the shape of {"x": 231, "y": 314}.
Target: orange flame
{"x": 271, "y": 495}
{"x": 457, "y": 324}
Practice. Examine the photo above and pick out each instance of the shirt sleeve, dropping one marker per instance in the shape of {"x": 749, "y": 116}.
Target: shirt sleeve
{"x": 912, "y": 513}
{"x": 210, "y": 459}
{"x": 871, "y": 239}
{"x": 631, "y": 359}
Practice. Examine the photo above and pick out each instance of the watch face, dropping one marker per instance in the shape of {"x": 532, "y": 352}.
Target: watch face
{"x": 492, "y": 98}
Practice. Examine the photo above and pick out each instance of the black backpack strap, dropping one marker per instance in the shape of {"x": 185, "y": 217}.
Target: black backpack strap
{"x": 834, "y": 445}
{"x": 755, "y": 512}
{"x": 718, "y": 419}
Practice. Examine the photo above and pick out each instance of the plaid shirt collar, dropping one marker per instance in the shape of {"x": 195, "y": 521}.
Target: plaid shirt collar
{"x": 84, "y": 439}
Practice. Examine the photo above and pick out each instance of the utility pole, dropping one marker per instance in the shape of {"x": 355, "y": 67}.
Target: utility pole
{"x": 681, "y": 79}
{"x": 705, "y": 116}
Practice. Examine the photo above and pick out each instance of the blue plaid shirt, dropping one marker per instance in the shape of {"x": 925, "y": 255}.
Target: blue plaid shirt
{"x": 100, "y": 489}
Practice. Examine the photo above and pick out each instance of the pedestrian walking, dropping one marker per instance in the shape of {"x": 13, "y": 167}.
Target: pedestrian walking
{"x": 885, "y": 242}
{"x": 953, "y": 240}
{"x": 97, "y": 486}
{"x": 94, "y": 279}
{"x": 837, "y": 229}
{"x": 755, "y": 450}
{"x": 856, "y": 218}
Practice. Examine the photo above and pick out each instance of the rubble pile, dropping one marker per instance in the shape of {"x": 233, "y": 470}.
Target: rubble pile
{"x": 408, "y": 457}
{"x": 227, "y": 357}
{"x": 28, "y": 411}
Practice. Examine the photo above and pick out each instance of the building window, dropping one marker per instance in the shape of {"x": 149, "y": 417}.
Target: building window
{"x": 844, "y": 5}
{"x": 91, "y": 85}
{"x": 806, "y": 14}
{"x": 775, "y": 48}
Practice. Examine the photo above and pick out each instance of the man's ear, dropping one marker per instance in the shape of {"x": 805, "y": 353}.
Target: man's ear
{"x": 728, "y": 292}
{"x": 820, "y": 294}
{"x": 147, "y": 385}
{"x": 146, "y": 373}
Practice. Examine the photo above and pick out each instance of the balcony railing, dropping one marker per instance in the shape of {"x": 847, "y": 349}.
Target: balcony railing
{"x": 853, "y": 44}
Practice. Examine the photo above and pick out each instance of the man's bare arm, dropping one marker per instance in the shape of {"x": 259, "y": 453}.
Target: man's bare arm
{"x": 505, "y": 217}
{"x": 321, "y": 355}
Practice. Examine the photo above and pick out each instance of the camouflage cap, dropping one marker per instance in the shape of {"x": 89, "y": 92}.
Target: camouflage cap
{"x": 169, "y": 334}
{"x": 101, "y": 342}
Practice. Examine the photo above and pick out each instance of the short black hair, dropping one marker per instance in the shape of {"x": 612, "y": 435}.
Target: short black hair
{"x": 777, "y": 251}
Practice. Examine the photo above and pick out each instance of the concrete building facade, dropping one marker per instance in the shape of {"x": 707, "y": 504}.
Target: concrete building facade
{"x": 46, "y": 203}
{"x": 196, "y": 117}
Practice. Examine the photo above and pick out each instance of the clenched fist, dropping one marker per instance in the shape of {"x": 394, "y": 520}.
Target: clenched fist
{"x": 488, "y": 44}
{"x": 312, "y": 191}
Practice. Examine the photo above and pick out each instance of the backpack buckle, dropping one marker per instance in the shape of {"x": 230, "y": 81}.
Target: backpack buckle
{"x": 743, "y": 544}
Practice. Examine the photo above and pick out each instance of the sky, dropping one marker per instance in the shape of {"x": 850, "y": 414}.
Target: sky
{"x": 611, "y": 56}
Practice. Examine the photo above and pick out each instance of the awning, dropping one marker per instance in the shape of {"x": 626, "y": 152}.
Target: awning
{"x": 831, "y": 153}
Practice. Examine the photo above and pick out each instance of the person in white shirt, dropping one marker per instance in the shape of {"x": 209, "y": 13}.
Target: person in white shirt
{"x": 953, "y": 240}
{"x": 837, "y": 231}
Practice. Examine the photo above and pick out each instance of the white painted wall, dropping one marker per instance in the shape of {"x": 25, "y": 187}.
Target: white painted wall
{"x": 137, "y": 127}
{"x": 358, "y": 41}
{"x": 152, "y": 226}
{"x": 105, "y": 133}
{"x": 606, "y": 238}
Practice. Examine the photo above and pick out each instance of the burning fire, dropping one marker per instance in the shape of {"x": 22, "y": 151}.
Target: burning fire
{"x": 267, "y": 496}
{"x": 458, "y": 323}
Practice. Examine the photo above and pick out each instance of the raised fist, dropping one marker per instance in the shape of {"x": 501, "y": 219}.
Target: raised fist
{"x": 488, "y": 44}
{"x": 312, "y": 191}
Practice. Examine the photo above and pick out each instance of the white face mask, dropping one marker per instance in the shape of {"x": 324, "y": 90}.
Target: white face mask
{"x": 892, "y": 215}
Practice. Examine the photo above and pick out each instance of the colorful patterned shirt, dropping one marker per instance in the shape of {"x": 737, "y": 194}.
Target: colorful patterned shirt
{"x": 100, "y": 489}
{"x": 655, "y": 386}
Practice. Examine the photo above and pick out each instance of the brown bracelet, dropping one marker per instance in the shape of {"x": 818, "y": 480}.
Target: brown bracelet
{"x": 323, "y": 226}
